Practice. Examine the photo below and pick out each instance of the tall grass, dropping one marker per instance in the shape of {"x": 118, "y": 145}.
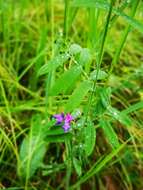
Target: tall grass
{"x": 79, "y": 57}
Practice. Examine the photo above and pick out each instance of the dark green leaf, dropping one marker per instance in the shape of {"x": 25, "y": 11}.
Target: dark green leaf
{"x": 53, "y": 64}
{"x": 77, "y": 166}
{"x": 78, "y": 95}
{"x": 66, "y": 80}
{"x": 90, "y": 137}
{"x": 109, "y": 133}
{"x": 58, "y": 138}
{"x": 32, "y": 152}
{"x": 120, "y": 116}
{"x": 32, "y": 149}
{"x": 102, "y": 100}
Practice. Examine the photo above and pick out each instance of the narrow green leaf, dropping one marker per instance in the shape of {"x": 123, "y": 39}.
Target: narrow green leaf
{"x": 97, "y": 167}
{"x": 102, "y": 4}
{"x": 90, "y": 137}
{"x": 55, "y": 131}
{"x": 134, "y": 107}
{"x": 53, "y": 64}
{"x": 103, "y": 95}
{"x": 41, "y": 45}
{"x": 120, "y": 116}
{"x": 77, "y": 166}
{"x": 32, "y": 149}
{"x": 109, "y": 133}
{"x": 90, "y": 3}
{"x": 58, "y": 138}
{"x": 78, "y": 95}
{"x": 101, "y": 75}
{"x": 14, "y": 188}
{"x": 32, "y": 152}
{"x": 66, "y": 80}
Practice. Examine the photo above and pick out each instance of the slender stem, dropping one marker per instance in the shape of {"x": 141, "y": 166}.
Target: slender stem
{"x": 69, "y": 164}
{"x": 124, "y": 38}
{"x": 66, "y": 18}
{"x": 99, "y": 60}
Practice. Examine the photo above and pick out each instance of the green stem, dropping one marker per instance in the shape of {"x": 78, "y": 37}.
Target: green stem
{"x": 66, "y": 18}
{"x": 99, "y": 60}
{"x": 124, "y": 38}
{"x": 69, "y": 163}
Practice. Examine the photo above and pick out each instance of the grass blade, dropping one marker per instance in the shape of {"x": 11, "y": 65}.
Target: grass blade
{"x": 106, "y": 6}
{"x": 97, "y": 167}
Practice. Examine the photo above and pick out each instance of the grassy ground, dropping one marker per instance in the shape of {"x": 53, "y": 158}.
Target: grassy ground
{"x": 79, "y": 57}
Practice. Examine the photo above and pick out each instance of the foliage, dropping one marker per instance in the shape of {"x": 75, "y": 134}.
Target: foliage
{"x": 81, "y": 60}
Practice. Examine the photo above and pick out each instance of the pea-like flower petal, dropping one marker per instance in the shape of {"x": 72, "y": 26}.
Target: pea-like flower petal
{"x": 59, "y": 118}
{"x": 66, "y": 127}
{"x": 64, "y": 119}
{"x": 68, "y": 118}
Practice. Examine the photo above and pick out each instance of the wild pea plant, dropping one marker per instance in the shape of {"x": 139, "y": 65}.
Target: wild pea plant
{"x": 67, "y": 107}
{"x": 68, "y": 127}
{"x": 75, "y": 126}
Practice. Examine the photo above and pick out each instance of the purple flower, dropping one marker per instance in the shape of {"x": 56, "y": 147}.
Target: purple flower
{"x": 65, "y": 119}
{"x": 68, "y": 118}
{"x": 59, "y": 118}
{"x": 66, "y": 127}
